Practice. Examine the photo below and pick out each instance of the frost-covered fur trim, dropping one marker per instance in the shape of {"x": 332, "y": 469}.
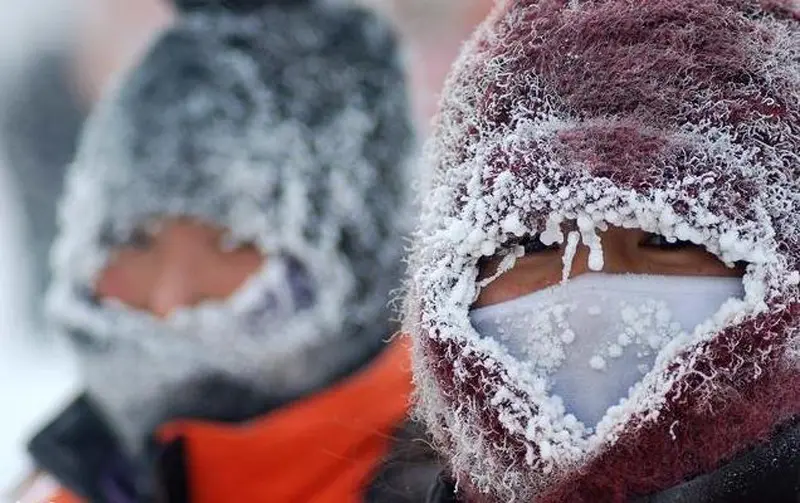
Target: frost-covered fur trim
{"x": 679, "y": 117}
{"x": 287, "y": 127}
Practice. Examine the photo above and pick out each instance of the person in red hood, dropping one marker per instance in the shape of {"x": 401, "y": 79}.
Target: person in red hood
{"x": 230, "y": 233}
{"x": 603, "y": 293}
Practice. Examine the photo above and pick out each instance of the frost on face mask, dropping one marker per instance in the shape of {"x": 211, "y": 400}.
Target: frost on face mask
{"x": 312, "y": 170}
{"x": 538, "y": 127}
{"x": 594, "y": 337}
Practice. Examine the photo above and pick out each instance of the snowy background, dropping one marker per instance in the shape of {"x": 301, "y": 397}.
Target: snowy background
{"x": 37, "y": 374}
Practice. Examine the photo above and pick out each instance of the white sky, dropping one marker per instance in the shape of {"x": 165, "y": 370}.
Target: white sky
{"x": 34, "y": 381}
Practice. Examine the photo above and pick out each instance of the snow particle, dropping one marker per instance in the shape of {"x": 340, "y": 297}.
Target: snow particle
{"x": 597, "y": 362}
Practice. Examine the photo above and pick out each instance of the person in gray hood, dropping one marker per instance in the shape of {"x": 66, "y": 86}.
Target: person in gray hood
{"x": 229, "y": 237}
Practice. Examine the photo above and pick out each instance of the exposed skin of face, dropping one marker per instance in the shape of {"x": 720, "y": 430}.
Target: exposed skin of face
{"x": 625, "y": 251}
{"x": 179, "y": 264}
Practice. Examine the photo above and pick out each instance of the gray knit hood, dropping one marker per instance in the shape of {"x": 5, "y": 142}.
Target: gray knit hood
{"x": 287, "y": 124}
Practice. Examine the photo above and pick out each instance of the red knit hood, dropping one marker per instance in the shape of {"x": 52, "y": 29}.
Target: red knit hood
{"x": 678, "y": 117}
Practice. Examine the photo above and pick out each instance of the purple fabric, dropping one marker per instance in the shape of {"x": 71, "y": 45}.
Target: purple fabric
{"x": 118, "y": 482}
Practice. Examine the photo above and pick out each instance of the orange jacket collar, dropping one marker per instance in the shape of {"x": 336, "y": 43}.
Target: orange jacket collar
{"x": 320, "y": 449}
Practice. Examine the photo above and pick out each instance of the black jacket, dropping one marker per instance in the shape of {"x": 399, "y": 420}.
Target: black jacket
{"x": 80, "y": 451}
{"x": 769, "y": 473}
{"x": 409, "y": 470}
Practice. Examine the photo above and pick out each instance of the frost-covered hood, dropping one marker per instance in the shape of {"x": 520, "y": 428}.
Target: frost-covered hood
{"x": 285, "y": 123}
{"x": 678, "y": 117}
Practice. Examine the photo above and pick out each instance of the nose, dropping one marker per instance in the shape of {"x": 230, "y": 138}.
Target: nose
{"x": 176, "y": 284}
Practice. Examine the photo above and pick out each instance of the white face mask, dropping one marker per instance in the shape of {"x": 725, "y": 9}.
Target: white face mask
{"x": 596, "y": 335}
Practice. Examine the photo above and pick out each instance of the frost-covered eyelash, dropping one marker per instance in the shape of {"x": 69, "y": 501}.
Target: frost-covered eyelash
{"x": 228, "y": 242}
{"x": 658, "y": 241}
{"x": 531, "y": 244}
{"x": 140, "y": 236}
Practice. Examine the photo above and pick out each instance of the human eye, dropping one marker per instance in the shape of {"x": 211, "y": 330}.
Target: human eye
{"x": 532, "y": 244}
{"x": 139, "y": 239}
{"x": 659, "y": 242}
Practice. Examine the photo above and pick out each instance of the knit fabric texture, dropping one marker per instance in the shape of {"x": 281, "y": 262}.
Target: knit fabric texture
{"x": 678, "y": 117}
